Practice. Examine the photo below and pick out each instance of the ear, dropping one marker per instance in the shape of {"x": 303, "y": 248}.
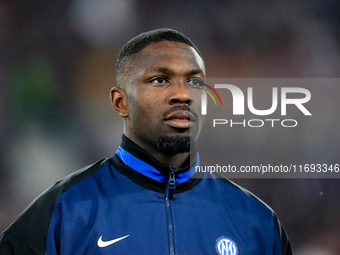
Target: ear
{"x": 119, "y": 101}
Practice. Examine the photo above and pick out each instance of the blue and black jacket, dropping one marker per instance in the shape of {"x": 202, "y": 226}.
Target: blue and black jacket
{"x": 131, "y": 204}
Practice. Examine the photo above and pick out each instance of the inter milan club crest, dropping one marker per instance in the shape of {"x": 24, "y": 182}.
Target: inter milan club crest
{"x": 226, "y": 246}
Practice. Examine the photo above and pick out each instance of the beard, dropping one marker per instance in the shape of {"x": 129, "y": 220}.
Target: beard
{"x": 173, "y": 145}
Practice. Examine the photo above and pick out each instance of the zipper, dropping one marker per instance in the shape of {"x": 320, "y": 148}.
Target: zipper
{"x": 169, "y": 189}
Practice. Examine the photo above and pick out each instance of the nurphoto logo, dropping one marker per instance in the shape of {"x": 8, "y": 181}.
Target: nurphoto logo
{"x": 239, "y": 105}
{"x": 205, "y": 100}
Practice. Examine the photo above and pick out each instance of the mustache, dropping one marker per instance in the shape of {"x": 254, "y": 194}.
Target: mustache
{"x": 181, "y": 107}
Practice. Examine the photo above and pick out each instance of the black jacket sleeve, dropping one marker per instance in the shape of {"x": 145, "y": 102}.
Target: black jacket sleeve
{"x": 28, "y": 233}
{"x": 285, "y": 244}
{"x": 10, "y": 245}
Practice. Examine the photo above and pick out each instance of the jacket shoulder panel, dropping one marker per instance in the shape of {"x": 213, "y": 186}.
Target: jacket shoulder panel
{"x": 32, "y": 225}
{"x": 283, "y": 243}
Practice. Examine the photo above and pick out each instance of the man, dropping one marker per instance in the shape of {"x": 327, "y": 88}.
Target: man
{"x": 144, "y": 199}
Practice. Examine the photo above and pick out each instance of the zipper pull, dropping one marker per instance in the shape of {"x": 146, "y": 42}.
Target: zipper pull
{"x": 171, "y": 182}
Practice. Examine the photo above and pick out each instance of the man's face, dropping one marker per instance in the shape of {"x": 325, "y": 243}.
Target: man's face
{"x": 163, "y": 95}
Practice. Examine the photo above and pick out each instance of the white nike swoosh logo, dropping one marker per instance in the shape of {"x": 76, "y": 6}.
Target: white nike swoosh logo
{"x": 101, "y": 243}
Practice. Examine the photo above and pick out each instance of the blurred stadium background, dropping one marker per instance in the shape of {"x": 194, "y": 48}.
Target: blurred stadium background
{"x": 57, "y": 61}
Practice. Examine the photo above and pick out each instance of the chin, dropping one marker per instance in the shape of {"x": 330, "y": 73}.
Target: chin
{"x": 176, "y": 143}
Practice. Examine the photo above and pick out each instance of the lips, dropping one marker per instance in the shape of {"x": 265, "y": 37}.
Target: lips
{"x": 180, "y": 119}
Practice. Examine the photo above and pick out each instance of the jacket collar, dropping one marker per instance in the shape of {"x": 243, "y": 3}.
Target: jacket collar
{"x": 141, "y": 161}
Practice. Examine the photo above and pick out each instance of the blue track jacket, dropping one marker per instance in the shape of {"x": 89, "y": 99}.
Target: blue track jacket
{"x": 131, "y": 204}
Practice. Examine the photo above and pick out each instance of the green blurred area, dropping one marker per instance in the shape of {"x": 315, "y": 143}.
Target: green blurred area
{"x": 34, "y": 88}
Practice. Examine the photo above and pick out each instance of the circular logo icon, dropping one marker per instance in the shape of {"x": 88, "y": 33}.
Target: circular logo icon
{"x": 226, "y": 246}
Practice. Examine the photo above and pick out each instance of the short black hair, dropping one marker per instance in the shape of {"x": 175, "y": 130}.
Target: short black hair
{"x": 139, "y": 42}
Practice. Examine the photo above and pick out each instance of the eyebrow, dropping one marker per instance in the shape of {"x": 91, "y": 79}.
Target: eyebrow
{"x": 195, "y": 71}
{"x": 169, "y": 71}
{"x": 160, "y": 69}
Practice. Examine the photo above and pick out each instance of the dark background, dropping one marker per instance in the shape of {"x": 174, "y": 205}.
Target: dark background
{"x": 57, "y": 61}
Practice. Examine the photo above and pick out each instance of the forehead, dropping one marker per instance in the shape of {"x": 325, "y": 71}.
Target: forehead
{"x": 167, "y": 53}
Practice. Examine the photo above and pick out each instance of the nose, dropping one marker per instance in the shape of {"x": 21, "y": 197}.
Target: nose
{"x": 180, "y": 94}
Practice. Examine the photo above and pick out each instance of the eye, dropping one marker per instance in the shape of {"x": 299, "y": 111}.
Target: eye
{"x": 196, "y": 82}
{"x": 158, "y": 80}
